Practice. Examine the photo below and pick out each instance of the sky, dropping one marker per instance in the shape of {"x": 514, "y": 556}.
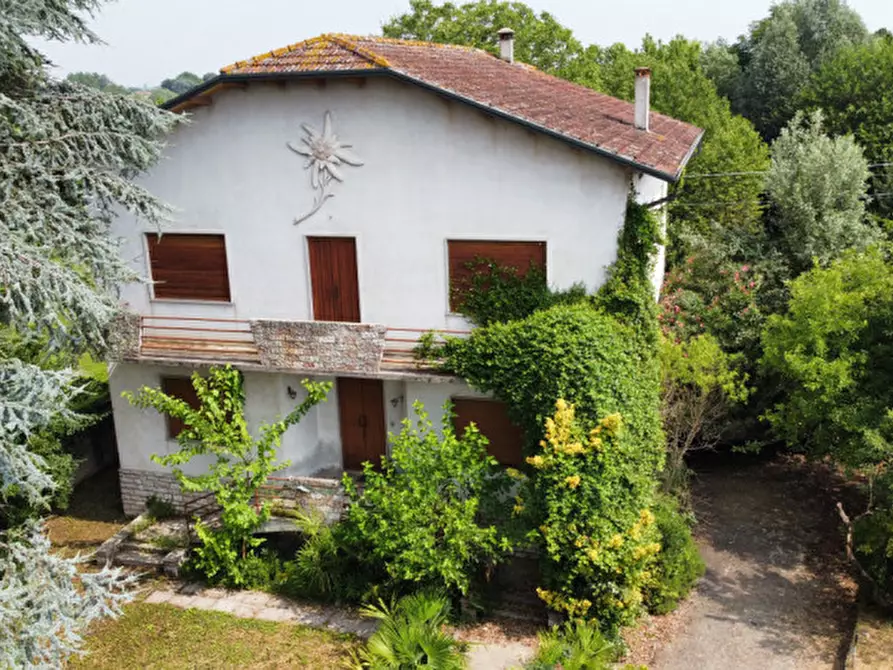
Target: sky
{"x": 150, "y": 40}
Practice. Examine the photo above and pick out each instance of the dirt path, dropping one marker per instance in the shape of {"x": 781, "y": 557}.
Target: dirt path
{"x": 776, "y": 594}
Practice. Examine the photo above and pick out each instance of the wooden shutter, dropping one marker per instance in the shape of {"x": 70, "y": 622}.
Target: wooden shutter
{"x": 333, "y": 278}
{"x": 179, "y": 387}
{"x": 189, "y": 267}
{"x": 518, "y": 255}
{"x": 492, "y": 419}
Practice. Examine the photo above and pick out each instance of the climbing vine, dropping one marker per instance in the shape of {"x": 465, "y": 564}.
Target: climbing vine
{"x": 628, "y": 292}
{"x": 595, "y": 456}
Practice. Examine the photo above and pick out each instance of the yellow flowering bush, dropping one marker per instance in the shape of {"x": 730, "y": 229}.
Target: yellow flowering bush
{"x": 599, "y": 535}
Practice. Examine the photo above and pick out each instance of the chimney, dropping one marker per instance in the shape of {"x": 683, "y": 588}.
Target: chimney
{"x": 507, "y": 45}
{"x": 643, "y": 97}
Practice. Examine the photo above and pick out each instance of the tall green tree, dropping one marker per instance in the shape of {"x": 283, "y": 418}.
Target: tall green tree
{"x": 66, "y": 152}
{"x": 818, "y": 186}
{"x": 540, "y": 39}
{"x": 854, "y": 89}
{"x": 98, "y": 81}
{"x": 779, "y": 53}
{"x": 182, "y": 82}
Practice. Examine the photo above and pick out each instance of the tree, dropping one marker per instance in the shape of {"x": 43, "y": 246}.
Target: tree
{"x": 182, "y": 82}
{"x": 240, "y": 465}
{"x": 780, "y": 52}
{"x": 98, "y": 81}
{"x": 853, "y": 90}
{"x": 818, "y": 187}
{"x": 775, "y": 75}
{"x": 540, "y": 39}
{"x": 66, "y": 152}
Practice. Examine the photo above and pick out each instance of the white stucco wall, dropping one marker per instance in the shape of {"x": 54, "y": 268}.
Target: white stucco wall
{"x": 312, "y": 446}
{"x": 650, "y": 189}
{"x": 434, "y": 170}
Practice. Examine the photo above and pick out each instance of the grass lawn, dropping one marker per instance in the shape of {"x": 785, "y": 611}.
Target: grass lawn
{"x": 164, "y": 636}
{"x": 92, "y": 517}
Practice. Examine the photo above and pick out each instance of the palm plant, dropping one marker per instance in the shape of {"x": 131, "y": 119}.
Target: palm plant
{"x": 576, "y": 645}
{"x": 410, "y": 636}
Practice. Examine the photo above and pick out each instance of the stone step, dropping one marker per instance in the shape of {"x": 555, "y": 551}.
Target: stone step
{"x": 140, "y": 559}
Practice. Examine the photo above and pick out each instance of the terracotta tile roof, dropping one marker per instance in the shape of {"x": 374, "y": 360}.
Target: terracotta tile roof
{"x": 514, "y": 90}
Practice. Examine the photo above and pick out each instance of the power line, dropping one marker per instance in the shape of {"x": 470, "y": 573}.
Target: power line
{"x": 754, "y": 173}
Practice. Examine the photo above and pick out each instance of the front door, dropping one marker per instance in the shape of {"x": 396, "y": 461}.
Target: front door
{"x": 361, "y": 408}
{"x": 333, "y": 277}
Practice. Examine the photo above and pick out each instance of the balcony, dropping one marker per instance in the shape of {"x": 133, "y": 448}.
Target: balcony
{"x": 319, "y": 347}
{"x": 198, "y": 338}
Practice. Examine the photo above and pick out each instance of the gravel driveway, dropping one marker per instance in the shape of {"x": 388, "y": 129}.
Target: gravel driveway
{"x": 777, "y": 594}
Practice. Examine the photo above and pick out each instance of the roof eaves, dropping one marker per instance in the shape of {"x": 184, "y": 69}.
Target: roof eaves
{"x": 495, "y": 111}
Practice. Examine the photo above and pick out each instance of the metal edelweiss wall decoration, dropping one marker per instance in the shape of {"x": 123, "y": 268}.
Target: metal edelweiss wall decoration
{"x": 325, "y": 155}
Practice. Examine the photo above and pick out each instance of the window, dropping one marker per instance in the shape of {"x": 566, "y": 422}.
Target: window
{"x": 492, "y": 419}
{"x": 179, "y": 387}
{"x": 189, "y": 267}
{"x": 518, "y": 255}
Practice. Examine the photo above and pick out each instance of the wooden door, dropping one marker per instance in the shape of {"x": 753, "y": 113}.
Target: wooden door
{"x": 333, "y": 277}
{"x": 361, "y": 408}
{"x": 492, "y": 419}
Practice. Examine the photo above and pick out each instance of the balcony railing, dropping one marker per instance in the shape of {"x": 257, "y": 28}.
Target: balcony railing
{"x": 218, "y": 340}
{"x": 200, "y": 338}
{"x": 400, "y": 347}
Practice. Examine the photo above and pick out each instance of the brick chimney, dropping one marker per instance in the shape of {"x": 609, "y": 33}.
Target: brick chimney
{"x": 507, "y": 45}
{"x": 643, "y": 97}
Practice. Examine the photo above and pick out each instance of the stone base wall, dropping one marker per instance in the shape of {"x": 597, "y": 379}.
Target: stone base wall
{"x": 310, "y": 493}
{"x": 137, "y": 486}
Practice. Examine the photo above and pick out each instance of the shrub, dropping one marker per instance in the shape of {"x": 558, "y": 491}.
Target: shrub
{"x": 833, "y": 353}
{"x": 160, "y": 509}
{"x": 411, "y": 635}
{"x": 678, "y": 565}
{"x": 699, "y": 384}
{"x": 421, "y": 515}
{"x": 592, "y": 503}
{"x": 240, "y": 464}
{"x": 326, "y": 566}
{"x": 575, "y": 645}
{"x": 873, "y": 548}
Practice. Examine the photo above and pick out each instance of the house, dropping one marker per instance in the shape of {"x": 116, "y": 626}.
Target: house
{"x": 328, "y": 194}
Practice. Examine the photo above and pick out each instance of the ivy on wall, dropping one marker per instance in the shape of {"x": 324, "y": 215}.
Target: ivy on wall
{"x": 594, "y": 462}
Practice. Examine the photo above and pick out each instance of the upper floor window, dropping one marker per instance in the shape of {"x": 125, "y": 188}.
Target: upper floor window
{"x": 179, "y": 387}
{"x": 465, "y": 254}
{"x": 189, "y": 266}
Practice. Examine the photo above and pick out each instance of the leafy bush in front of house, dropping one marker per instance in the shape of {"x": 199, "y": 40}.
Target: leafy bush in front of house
{"x": 591, "y": 498}
{"x": 575, "y": 645}
{"x": 327, "y": 567}
{"x": 411, "y": 635}
{"x": 422, "y": 514}
{"x": 678, "y": 565}
{"x": 699, "y": 385}
{"x": 495, "y": 293}
{"x": 240, "y": 464}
